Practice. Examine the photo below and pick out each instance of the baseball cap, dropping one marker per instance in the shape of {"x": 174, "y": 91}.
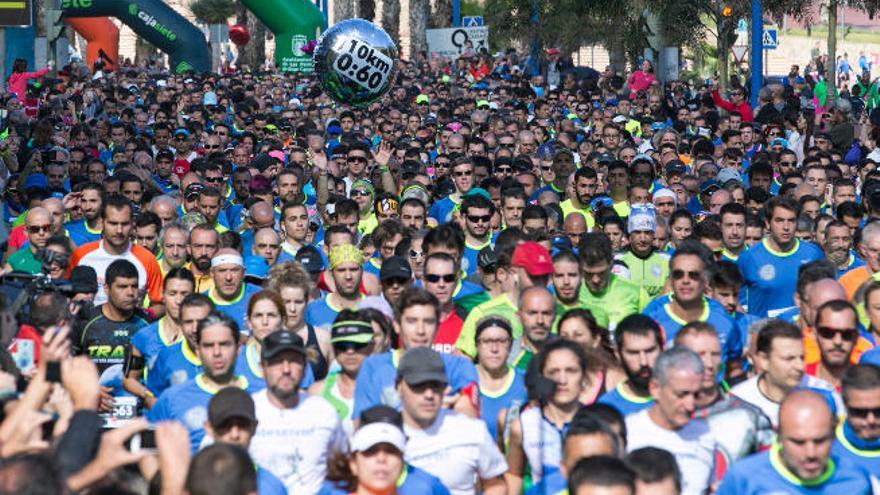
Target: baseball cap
{"x": 181, "y": 131}
{"x": 165, "y": 154}
{"x": 374, "y": 434}
{"x": 534, "y": 258}
{"x": 35, "y": 181}
{"x": 728, "y": 174}
{"x": 228, "y": 403}
{"x": 422, "y": 99}
{"x": 280, "y": 341}
{"x": 395, "y": 267}
{"x": 193, "y": 190}
{"x": 381, "y": 414}
{"x": 356, "y": 331}
{"x": 642, "y": 218}
{"x": 421, "y": 365}
{"x": 605, "y": 158}
{"x": 675, "y": 167}
{"x": 84, "y": 279}
{"x": 256, "y": 267}
{"x": 709, "y": 186}
{"x": 487, "y": 260}
{"x": 310, "y": 259}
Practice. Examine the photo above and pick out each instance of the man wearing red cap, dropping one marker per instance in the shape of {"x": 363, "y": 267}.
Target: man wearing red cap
{"x": 530, "y": 265}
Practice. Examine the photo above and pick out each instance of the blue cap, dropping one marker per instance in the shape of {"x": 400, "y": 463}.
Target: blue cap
{"x": 478, "y": 191}
{"x": 871, "y": 357}
{"x": 256, "y": 266}
{"x": 36, "y": 180}
{"x": 181, "y": 130}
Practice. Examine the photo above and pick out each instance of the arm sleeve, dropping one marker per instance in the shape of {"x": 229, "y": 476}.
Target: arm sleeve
{"x": 80, "y": 442}
{"x": 35, "y": 74}
{"x": 716, "y": 97}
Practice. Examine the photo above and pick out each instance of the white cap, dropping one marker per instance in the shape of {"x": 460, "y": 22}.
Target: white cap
{"x": 642, "y": 218}
{"x": 665, "y": 193}
{"x": 376, "y": 433}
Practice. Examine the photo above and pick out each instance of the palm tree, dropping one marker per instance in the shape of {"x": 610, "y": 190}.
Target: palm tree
{"x": 213, "y": 13}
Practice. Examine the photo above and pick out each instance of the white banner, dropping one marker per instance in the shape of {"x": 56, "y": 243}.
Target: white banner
{"x": 452, "y": 42}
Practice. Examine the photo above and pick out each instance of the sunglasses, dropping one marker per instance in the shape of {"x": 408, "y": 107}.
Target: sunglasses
{"x": 416, "y": 254}
{"x": 680, "y": 274}
{"x": 503, "y": 170}
{"x": 35, "y": 229}
{"x": 479, "y": 218}
{"x": 357, "y": 159}
{"x": 463, "y": 173}
{"x": 788, "y": 164}
{"x": 359, "y": 192}
{"x": 434, "y": 278}
{"x": 214, "y": 180}
{"x": 848, "y": 334}
{"x": 343, "y": 347}
{"x": 861, "y": 412}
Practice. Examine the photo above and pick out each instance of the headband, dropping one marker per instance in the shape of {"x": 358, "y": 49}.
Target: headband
{"x": 494, "y": 321}
{"x": 345, "y": 253}
{"x": 385, "y": 205}
{"x": 227, "y": 259}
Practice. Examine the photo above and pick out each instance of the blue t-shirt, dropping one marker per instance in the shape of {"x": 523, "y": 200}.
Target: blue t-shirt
{"x": 80, "y": 233}
{"x": 373, "y": 265}
{"x": 413, "y": 481}
{"x": 268, "y": 483}
{"x": 149, "y": 341}
{"x": 319, "y": 313}
{"x": 861, "y": 452}
{"x": 469, "y": 261}
{"x": 552, "y": 483}
{"x": 660, "y": 310}
{"x": 764, "y": 473}
{"x": 188, "y": 403}
{"x": 375, "y": 383}
{"x": 851, "y": 264}
{"x": 247, "y": 364}
{"x": 624, "y": 402}
{"x": 174, "y": 365}
{"x": 512, "y": 395}
{"x": 771, "y": 276}
{"x": 237, "y": 308}
{"x": 442, "y": 210}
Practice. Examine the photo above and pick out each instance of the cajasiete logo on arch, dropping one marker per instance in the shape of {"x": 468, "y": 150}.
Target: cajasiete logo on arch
{"x": 151, "y": 21}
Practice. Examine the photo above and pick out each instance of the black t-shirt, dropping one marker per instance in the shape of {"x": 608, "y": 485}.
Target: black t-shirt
{"x": 105, "y": 341}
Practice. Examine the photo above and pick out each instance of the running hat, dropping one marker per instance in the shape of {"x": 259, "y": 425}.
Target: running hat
{"x": 728, "y": 174}
{"x": 376, "y": 433}
{"x": 228, "y": 403}
{"x": 395, "y": 267}
{"x": 642, "y": 218}
{"x": 421, "y": 365}
{"x": 345, "y": 253}
{"x": 280, "y": 341}
{"x": 358, "y": 332}
{"x": 84, "y": 279}
{"x": 382, "y": 414}
{"x": 310, "y": 259}
{"x": 534, "y": 258}
{"x": 665, "y": 193}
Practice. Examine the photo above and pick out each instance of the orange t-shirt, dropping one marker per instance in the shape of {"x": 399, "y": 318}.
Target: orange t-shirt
{"x": 853, "y": 279}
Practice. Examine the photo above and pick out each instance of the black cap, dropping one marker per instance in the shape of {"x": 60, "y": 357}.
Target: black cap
{"x": 193, "y": 190}
{"x": 280, "y": 341}
{"x": 228, "y": 403}
{"x": 167, "y": 154}
{"x": 421, "y": 365}
{"x": 487, "y": 260}
{"x": 263, "y": 161}
{"x": 395, "y": 267}
{"x": 310, "y": 258}
{"x": 381, "y": 414}
{"x": 605, "y": 158}
{"x": 84, "y": 279}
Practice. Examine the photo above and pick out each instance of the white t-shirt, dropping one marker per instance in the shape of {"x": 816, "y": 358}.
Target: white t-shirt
{"x": 294, "y": 444}
{"x": 693, "y": 446}
{"x": 456, "y": 449}
{"x": 749, "y": 392}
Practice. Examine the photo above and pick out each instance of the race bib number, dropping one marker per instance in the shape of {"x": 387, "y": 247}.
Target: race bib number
{"x": 361, "y": 63}
{"x": 124, "y": 410}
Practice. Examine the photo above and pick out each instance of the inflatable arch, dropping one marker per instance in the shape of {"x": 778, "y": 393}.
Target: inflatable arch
{"x": 102, "y": 37}
{"x": 294, "y": 23}
{"x": 157, "y": 23}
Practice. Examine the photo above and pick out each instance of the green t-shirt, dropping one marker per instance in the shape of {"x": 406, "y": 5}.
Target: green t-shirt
{"x": 497, "y": 306}
{"x": 620, "y": 299}
{"x": 24, "y": 260}
{"x": 650, "y": 273}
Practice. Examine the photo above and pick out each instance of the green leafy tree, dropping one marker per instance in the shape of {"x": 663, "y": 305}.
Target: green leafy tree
{"x": 212, "y": 11}
{"x": 832, "y": 6}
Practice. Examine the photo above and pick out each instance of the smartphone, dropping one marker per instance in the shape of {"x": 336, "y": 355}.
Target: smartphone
{"x": 144, "y": 441}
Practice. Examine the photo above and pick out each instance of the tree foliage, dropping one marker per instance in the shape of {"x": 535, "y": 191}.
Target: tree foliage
{"x": 212, "y": 11}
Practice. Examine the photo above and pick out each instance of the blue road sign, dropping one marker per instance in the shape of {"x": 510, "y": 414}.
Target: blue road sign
{"x": 472, "y": 21}
{"x": 769, "y": 38}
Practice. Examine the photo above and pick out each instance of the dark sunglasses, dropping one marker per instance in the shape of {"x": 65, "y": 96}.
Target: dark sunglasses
{"x": 215, "y": 180}
{"x": 357, "y": 159}
{"x": 359, "y": 192}
{"x": 848, "y": 334}
{"x": 861, "y": 412}
{"x": 434, "y": 278}
{"x": 479, "y": 218}
{"x": 343, "y": 347}
{"x": 463, "y": 173}
{"x": 503, "y": 170}
{"x": 35, "y": 229}
{"x": 679, "y": 274}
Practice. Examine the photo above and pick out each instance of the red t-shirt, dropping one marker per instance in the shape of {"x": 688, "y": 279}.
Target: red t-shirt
{"x": 447, "y": 334}
{"x": 181, "y": 167}
{"x": 25, "y": 347}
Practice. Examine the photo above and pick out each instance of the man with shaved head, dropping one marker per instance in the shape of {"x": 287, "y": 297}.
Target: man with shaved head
{"x": 801, "y": 461}
{"x": 260, "y": 215}
{"x": 267, "y": 244}
{"x": 575, "y": 227}
{"x": 836, "y": 331}
{"x": 38, "y": 228}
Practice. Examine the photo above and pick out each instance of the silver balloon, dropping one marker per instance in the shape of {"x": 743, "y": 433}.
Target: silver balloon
{"x": 356, "y": 62}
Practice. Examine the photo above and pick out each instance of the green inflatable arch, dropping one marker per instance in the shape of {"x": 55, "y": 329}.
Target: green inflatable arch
{"x": 157, "y": 23}
{"x": 294, "y": 23}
